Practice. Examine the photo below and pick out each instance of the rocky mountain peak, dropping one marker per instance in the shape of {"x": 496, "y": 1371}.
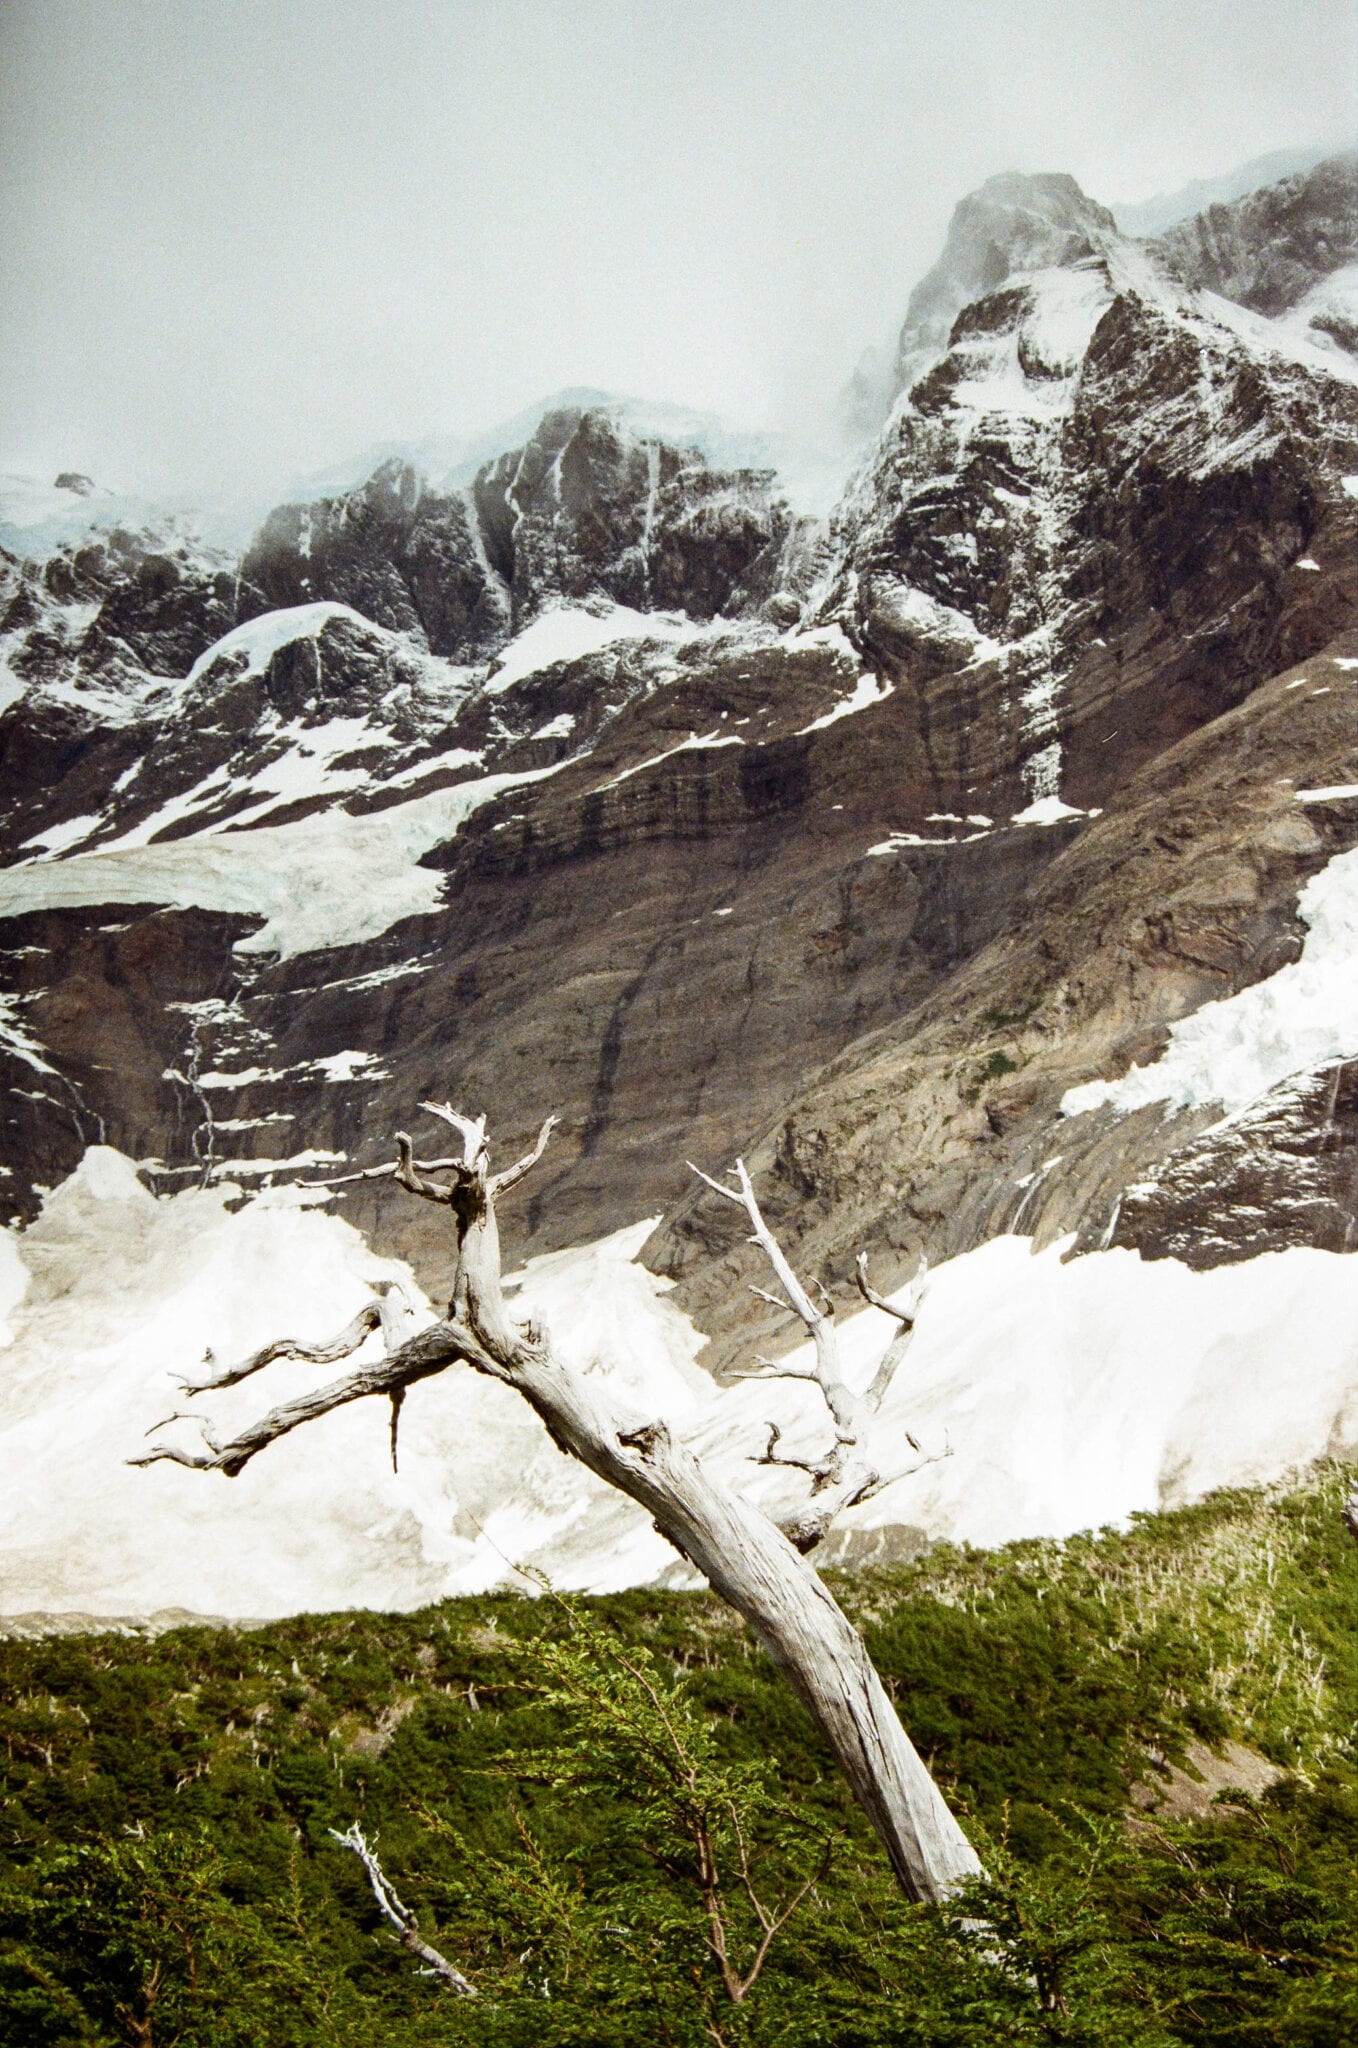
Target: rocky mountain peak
{"x": 1269, "y": 249}
{"x": 1015, "y": 222}
{"x": 585, "y": 508}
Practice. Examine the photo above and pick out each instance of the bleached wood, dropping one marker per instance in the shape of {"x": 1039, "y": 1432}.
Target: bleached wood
{"x": 400, "y": 1916}
{"x": 847, "y": 1472}
{"x": 744, "y": 1556}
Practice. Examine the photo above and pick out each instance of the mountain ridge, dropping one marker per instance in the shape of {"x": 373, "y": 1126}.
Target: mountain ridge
{"x": 608, "y": 784}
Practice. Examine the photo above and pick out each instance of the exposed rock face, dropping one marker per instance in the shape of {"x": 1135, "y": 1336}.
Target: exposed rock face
{"x": 946, "y": 1128}
{"x": 585, "y": 509}
{"x": 589, "y": 509}
{"x": 1089, "y": 465}
{"x": 602, "y": 787}
{"x": 1284, "y": 1171}
{"x": 1269, "y": 249}
{"x": 408, "y": 558}
{"x": 90, "y": 641}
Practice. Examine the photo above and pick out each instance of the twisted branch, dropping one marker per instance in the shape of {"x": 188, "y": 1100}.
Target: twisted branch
{"x": 389, "y": 1308}
{"x": 501, "y": 1183}
{"x": 847, "y": 1473}
{"x": 421, "y": 1356}
{"x": 400, "y": 1916}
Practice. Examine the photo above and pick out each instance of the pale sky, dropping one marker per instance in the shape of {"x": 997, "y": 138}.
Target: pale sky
{"x": 244, "y": 238}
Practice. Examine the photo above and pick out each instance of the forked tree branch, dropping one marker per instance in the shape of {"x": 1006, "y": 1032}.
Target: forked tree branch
{"x": 419, "y": 1358}
{"x": 411, "y": 1176}
{"x": 386, "y": 1172}
{"x": 501, "y": 1183}
{"x": 386, "y": 1312}
{"x": 847, "y": 1473}
{"x": 471, "y": 1130}
{"x": 742, "y": 1553}
{"x": 769, "y": 1456}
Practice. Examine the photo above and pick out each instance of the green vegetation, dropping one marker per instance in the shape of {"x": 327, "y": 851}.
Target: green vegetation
{"x": 604, "y": 1810}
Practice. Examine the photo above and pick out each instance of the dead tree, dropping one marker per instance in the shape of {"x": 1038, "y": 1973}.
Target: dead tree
{"x": 757, "y": 1564}
{"x": 407, "y": 1926}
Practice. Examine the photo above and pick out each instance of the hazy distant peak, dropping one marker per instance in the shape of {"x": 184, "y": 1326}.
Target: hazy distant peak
{"x": 1014, "y": 222}
{"x": 1153, "y": 216}
{"x": 1053, "y": 195}
{"x": 1272, "y": 247}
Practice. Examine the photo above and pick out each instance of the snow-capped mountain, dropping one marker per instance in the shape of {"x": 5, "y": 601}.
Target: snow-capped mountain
{"x": 979, "y": 860}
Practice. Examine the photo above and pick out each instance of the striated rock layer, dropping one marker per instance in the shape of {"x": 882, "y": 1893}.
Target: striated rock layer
{"x": 605, "y": 786}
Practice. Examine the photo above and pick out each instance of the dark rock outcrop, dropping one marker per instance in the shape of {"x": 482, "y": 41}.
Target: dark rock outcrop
{"x": 586, "y": 509}
{"x": 410, "y": 559}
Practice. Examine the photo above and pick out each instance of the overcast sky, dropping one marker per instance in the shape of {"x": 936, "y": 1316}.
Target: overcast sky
{"x": 244, "y": 238}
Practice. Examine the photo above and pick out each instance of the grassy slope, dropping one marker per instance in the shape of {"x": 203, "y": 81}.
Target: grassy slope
{"x": 167, "y": 1801}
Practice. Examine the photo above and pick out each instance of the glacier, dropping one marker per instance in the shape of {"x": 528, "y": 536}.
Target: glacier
{"x": 1048, "y": 1395}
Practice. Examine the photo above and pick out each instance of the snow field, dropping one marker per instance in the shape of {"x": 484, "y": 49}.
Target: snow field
{"x": 1233, "y": 1051}
{"x": 1068, "y": 1395}
{"x": 331, "y": 879}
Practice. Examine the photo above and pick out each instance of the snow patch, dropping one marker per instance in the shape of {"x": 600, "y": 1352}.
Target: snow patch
{"x": 869, "y": 689}
{"x": 347, "y": 1066}
{"x": 901, "y": 839}
{"x": 332, "y": 879}
{"x": 251, "y": 1169}
{"x": 695, "y": 742}
{"x": 56, "y": 839}
{"x": 569, "y": 632}
{"x": 15, "y": 1037}
{"x": 1048, "y": 810}
{"x": 1233, "y": 1051}
{"x": 259, "y": 640}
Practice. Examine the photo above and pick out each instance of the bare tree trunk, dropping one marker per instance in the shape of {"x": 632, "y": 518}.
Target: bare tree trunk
{"x": 749, "y": 1561}
{"x": 746, "y": 1557}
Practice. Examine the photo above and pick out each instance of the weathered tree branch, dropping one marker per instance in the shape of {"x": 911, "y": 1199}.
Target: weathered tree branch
{"x": 400, "y": 1916}
{"x": 410, "y": 1175}
{"x": 386, "y": 1172}
{"x": 905, "y": 1316}
{"x": 419, "y": 1358}
{"x": 847, "y": 1474}
{"x": 386, "y": 1311}
{"x": 745, "y": 1557}
{"x": 769, "y": 1456}
{"x": 501, "y": 1183}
